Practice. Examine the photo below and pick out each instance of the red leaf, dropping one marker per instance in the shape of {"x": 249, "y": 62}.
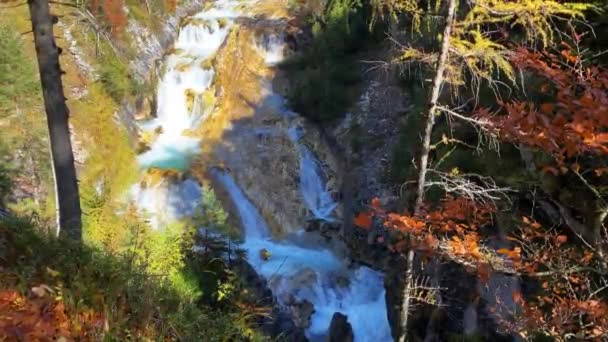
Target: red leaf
{"x": 376, "y": 203}
{"x": 551, "y": 170}
{"x": 516, "y": 296}
{"x": 363, "y": 220}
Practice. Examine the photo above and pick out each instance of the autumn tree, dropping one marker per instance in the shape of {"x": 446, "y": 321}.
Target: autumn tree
{"x": 561, "y": 130}
{"x": 66, "y": 184}
{"x": 470, "y": 53}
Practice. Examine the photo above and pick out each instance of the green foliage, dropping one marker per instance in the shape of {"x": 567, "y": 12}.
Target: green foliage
{"x": 475, "y": 56}
{"x": 210, "y": 214}
{"x": 19, "y": 86}
{"x": 325, "y": 75}
{"x": 116, "y": 78}
{"x": 6, "y": 174}
{"x": 23, "y": 125}
{"x": 534, "y": 16}
{"x": 134, "y": 302}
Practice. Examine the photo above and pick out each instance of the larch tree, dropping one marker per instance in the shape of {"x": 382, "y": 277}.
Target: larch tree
{"x": 468, "y": 54}
{"x": 66, "y": 184}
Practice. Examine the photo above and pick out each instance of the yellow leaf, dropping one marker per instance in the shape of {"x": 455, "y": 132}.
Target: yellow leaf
{"x": 52, "y": 272}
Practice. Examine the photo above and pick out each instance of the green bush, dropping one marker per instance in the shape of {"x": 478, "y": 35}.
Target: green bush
{"x": 19, "y": 83}
{"x": 210, "y": 214}
{"x": 135, "y": 302}
{"x": 325, "y": 74}
{"x": 115, "y": 76}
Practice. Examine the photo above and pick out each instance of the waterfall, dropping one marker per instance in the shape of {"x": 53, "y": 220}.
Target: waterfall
{"x": 253, "y": 223}
{"x": 183, "y": 103}
{"x": 293, "y": 268}
{"x": 271, "y": 47}
{"x": 315, "y": 275}
{"x": 314, "y": 189}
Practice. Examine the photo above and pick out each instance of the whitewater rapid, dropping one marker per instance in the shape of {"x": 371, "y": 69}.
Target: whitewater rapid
{"x": 293, "y": 270}
{"x": 328, "y": 283}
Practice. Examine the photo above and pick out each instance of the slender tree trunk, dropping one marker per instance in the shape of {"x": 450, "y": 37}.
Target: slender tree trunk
{"x": 430, "y": 116}
{"x": 66, "y": 185}
{"x": 424, "y": 158}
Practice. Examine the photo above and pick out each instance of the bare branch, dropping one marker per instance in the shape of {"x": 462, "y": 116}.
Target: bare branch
{"x": 472, "y": 186}
{"x": 483, "y": 126}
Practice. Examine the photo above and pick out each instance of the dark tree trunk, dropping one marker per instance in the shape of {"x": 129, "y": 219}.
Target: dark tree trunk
{"x": 66, "y": 186}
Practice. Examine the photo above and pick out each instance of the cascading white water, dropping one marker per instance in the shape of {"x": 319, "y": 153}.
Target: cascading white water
{"x": 271, "y": 47}
{"x": 181, "y": 108}
{"x": 314, "y": 189}
{"x": 180, "y": 93}
{"x": 304, "y": 272}
{"x": 316, "y": 275}
{"x": 253, "y": 223}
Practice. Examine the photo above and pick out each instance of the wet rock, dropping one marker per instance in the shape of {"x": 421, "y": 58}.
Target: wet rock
{"x": 144, "y": 108}
{"x": 305, "y": 278}
{"x": 283, "y": 328}
{"x": 342, "y": 281}
{"x": 264, "y": 254}
{"x": 340, "y": 329}
{"x": 329, "y": 226}
{"x": 279, "y": 324}
{"x": 393, "y": 284}
{"x": 313, "y": 225}
{"x": 301, "y": 312}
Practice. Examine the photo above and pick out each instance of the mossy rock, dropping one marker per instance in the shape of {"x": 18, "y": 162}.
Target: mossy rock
{"x": 190, "y": 97}
{"x": 183, "y": 67}
{"x": 203, "y": 23}
{"x": 208, "y": 98}
{"x": 207, "y": 64}
{"x": 156, "y": 175}
{"x": 222, "y": 22}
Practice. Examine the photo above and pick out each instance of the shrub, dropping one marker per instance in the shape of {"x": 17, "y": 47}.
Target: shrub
{"x": 20, "y": 85}
{"x": 107, "y": 296}
{"x": 115, "y": 76}
{"x": 325, "y": 74}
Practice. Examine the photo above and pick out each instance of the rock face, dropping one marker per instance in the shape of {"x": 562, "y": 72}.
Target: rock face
{"x": 393, "y": 284}
{"x": 280, "y": 323}
{"x": 339, "y": 329}
{"x": 300, "y": 311}
{"x": 250, "y": 130}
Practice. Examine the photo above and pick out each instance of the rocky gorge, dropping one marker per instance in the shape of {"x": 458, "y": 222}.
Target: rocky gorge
{"x": 219, "y": 121}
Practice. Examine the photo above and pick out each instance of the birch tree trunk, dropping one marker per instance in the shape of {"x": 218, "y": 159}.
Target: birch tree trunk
{"x": 424, "y": 158}
{"x": 66, "y": 185}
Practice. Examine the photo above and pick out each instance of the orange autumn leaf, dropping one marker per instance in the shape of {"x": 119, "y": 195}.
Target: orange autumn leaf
{"x": 376, "y": 203}
{"x": 504, "y": 251}
{"x": 571, "y": 124}
{"x": 561, "y": 239}
{"x": 547, "y": 108}
{"x": 599, "y": 172}
{"x": 514, "y": 254}
{"x": 483, "y": 272}
{"x": 430, "y": 241}
{"x": 363, "y": 220}
{"x": 516, "y": 296}
{"x": 551, "y": 170}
